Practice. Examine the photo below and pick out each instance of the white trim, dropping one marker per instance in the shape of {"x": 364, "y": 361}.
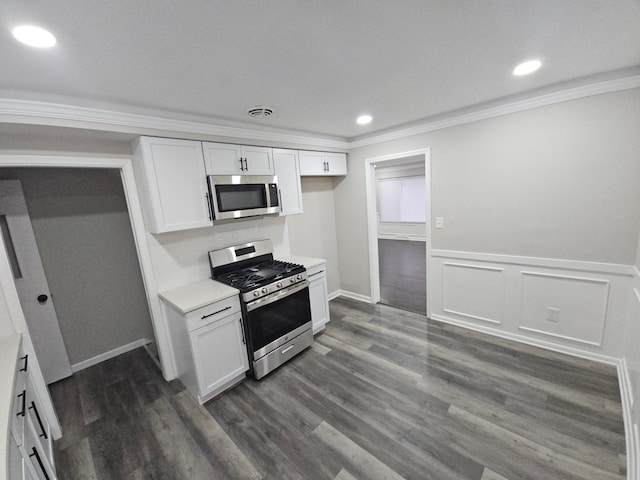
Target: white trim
{"x": 564, "y": 337}
{"x": 610, "y": 268}
{"x": 477, "y": 267}
{"x": 372, "y": 220}
{"x": 137, "y": 224}
{"x": 400, "y": 236}
{"x": 631, "y": 430}
{"x": 353, "y": 296}
{"x": 607, "y": 86}
{"x": 475, "y": 317}
{"x": 528, "y": 340}
{"x": 334, "y": 294}
{"x": 567, "y": 277}
{"x": 90, "y": 362}
{"x": 46, "y": 113}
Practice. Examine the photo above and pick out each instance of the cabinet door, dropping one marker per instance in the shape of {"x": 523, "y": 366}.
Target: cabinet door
{"x": 318, "y": 297}
{"x": 36, "y": 463}
{"x": 219, "y": 353}
{"x": 39, "y": 422}
{"x": 287, "y": 168}
{"x": 258, "y": 160}
{"x": 336, "y": 163}
{"x": 223, "y": 159}
{"x": 174, "y": 183}
{"x": 312, "y": 163}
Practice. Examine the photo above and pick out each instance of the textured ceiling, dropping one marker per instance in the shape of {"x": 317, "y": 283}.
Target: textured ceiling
{"x": 319, "y": 64}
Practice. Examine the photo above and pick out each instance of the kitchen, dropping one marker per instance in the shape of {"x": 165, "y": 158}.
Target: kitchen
{"x": 473, "y": 165}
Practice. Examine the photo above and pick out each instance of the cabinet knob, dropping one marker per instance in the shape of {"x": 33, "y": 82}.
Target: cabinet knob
{"x": 42, "y": 298}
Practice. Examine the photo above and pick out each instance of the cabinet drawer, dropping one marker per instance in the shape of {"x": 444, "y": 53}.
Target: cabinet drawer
{"x": 20, "y": 400}
{"x": 316, "y": 272}
{"x": 211, "y": 313}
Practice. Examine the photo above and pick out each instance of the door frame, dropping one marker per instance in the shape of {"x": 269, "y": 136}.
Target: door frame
{"x": 125, "y": 166}
{"x": 372, "y": 224}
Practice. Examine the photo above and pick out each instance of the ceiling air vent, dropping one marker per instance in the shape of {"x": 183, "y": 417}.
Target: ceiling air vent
{"x": 260, "y": 111}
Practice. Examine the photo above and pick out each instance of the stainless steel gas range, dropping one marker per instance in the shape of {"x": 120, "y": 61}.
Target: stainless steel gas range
{"x": 275, "y": 302}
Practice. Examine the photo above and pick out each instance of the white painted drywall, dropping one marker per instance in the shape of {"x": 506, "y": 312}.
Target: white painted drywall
{"x": 554, "y": 182}
{"x": 313, "y": 233}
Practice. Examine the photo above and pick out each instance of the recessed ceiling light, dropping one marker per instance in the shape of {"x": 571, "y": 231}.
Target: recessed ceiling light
{"x": 34, "y": 36}
{"x": 364, "y": 119}
{"x": 526, "y": 68}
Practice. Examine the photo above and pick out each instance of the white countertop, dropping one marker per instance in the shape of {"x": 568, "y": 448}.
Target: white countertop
{"x": 308, "y": 262}
{"x": 196, "y": 295}
{"x": 9, "y": 348}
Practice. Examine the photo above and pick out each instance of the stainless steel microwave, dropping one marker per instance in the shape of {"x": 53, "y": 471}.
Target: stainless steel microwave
{"x": 239, "y": 196}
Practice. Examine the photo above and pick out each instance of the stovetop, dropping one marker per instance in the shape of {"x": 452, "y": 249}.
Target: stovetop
{"x": 260, "y": 275}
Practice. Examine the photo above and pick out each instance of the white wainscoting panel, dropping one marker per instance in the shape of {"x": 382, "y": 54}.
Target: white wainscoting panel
{"x": 581, "y": 304}
{"x": 473, "y": 291}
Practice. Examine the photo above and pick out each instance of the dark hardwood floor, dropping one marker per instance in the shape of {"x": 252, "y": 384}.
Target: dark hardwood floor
{"x": 403, "y": 273}
{"x": 382, "y": 394}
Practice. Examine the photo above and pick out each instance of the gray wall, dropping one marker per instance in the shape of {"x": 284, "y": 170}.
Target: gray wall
{"x": 84, "y": 236}
{"x": 313, "y": 233}
{"x": 555, "y": 182}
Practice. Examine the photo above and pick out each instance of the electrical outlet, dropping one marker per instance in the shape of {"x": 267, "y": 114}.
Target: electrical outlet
{"x": 439, "y": 222}
{"x": 553, "y": 314}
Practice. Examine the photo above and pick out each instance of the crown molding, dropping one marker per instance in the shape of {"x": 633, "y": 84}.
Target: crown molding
{"x": 45, "y": 113}
{"x": 575, "y": 93}
{"x": 56, "y": 114}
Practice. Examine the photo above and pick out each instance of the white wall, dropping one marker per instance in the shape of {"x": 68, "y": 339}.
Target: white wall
{"x": 180, "y": 258}
{"x": 553, "y": 182}
{"x": 313, "y": 233}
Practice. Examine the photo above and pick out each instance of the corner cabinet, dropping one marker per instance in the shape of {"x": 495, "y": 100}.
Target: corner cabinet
{"x": 172, "y": 180}
{"x": 209, "y": 347}
{"x": 287, "y": 168}
{"x": 318, "y": 296}
{"x": 322, "y": 163}
{"x": 228, "y": 159}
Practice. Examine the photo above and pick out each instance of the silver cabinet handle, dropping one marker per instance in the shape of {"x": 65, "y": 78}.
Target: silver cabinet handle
{"x": 286, "y": 349}
{"x": 206, "y": 195}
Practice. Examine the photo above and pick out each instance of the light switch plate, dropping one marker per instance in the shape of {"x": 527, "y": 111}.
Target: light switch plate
{"x": 439, "y": 222}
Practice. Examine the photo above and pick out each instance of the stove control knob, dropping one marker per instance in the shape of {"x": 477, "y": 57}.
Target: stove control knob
{"x": 256, "y": 293}
{"x": 299, "y": 277}
{"x": 265, "y": 290}
{"x": 292, "y": 280}
{"x": 279, "y": 284}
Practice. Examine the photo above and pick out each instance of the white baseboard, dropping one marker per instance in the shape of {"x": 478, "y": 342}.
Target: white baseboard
{"x": 630, "y": 429}
{"x": 351, "y": 295}
{"x": 575, "y": 352}
{"x": 76, "y": 367}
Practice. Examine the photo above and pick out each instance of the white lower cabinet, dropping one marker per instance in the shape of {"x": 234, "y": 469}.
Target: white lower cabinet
{"x": 219, "y": 353}
{"x": 318, "y": 296}
{"x": 209, "y": 347}
{"x": 31, "y": 444}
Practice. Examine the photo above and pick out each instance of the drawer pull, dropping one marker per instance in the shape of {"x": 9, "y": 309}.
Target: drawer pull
{"x": 316, "y": 273}
{"x": 24, "y": 401}
{"x": 216, "y": 313}
{"x": 24, "y": 367}
{"x": 35, "y": 454}
{"x": 286, "y": 349}
{"x": 35, "y": 410}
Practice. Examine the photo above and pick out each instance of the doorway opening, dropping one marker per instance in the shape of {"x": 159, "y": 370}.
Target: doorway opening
{"x": 399, "y": 213}
{"x": 74, "y": 226}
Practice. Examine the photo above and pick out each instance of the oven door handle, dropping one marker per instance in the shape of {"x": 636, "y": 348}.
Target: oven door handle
{"x": 285, "y": 292}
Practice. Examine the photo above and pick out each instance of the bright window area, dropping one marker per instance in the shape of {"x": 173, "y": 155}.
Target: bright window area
{"x": 402, "y": 200}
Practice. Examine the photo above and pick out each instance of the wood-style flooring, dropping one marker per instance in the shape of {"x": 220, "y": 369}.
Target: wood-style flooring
{"x": 382, "y": 394}
{"x": 403, "y": 274}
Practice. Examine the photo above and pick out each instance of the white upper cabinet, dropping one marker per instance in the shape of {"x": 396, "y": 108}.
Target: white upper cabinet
{"x": 227, "y": 159}
{"x": 322, "y": 163}
{"x": 172, "y": 179}
{"x": 287, "y": 168}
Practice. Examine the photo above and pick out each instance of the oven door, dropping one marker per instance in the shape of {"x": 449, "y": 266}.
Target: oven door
{"x": 275, "y": 319}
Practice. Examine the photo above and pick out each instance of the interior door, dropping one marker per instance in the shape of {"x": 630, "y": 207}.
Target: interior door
{"x": 31, "y": 283}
